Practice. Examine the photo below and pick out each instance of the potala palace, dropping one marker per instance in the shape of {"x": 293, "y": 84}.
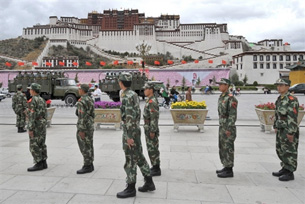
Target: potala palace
{"x": 123, "y": 30}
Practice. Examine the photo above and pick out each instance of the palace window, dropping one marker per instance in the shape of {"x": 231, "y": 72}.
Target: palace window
{"x": 268, "y": 66}
{"x": 261, "y": 58}
{"x": 273, "y": 57}
{"x": 301, "y": 57}
{"x": 254, "y": 57}
{"x": 267, "y": 57}
{"x": 241, "y": 66}
{"x": 295, "y": 58}
{"x": 261, "y": 65}
{"x": 288, "y": 58}
{"x": 281, "y": 57}
{"x": 274, "y": 65}
{"x": 255, "y": 65}
{"x": 281, "y": 66}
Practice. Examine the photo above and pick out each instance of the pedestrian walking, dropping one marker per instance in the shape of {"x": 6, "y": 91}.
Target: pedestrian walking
{"x": 131, "y": 140}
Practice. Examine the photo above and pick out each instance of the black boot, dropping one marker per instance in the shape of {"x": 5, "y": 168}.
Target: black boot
{"x": 155, "y": 170}
{"x": 287, "y": 176}
{"x": 19, "y": 130}
{"x": 279, "y": 173}
{"x": 22, "y": 129}
{"x": 92, "y": 167}
{"x": 228, "y": 172}
{"x": 85, "y": 169}
{"x": 221, "y": 170}
{"x": 130, "y": 191}
{"x": 44, "y": 163}
{"x": 37, "y": 167}
{"x": 148, "y": 185}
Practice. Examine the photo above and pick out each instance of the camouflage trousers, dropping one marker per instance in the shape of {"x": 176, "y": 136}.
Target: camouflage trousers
{"x": 226, "y": 146}
{"x": 86, "y": 146}
{"x": 38, "y": 147}
{"x": 134, "y": 157}
{"x": 20, "y": 120}
{"x": 153, "y": 148}
{"x": 287, "y": 151}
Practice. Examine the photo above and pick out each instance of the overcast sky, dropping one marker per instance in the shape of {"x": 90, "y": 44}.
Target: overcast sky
{"x": 254, "y": 19}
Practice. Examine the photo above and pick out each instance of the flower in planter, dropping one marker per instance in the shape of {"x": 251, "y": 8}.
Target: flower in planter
{"x": 266, "y": 106}
{"x": 302, "y": 107}
{"x": 189, "y": 105}
{"x": 107, "y": 104}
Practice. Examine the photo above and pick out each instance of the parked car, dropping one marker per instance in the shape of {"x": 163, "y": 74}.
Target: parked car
{"x": 2, "y": 96}
{"x": 297, "y": 88}
{"x": 5, "y": 92}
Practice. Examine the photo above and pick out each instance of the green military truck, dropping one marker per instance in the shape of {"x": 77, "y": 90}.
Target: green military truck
{"x": 110, "y": 84}
{"x": 54, "y": 85}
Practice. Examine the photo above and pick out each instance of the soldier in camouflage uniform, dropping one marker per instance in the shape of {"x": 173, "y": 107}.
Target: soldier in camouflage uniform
{"x": 227, "y": 111}
{"x": 131, "y": 140}
{"x": 151, "y": 128}
{"x": 37, "y": 121}
{"x": 85, "y": 128}
{"x": 287, "y": 130}
{"x": 19, "y": 106}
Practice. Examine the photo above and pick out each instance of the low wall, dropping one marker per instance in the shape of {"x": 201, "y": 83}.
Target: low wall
{"x": 173, "y": 76}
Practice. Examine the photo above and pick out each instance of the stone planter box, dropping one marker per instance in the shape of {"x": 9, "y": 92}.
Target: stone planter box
{"x": 189, "y": 117}
{"x": 107, "y": 116}
{"x": 50, "y": 113}
{"x": 267, "y": 117}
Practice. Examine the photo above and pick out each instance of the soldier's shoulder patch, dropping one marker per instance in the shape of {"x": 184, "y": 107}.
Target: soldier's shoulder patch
{"x": 291, "y": 98}
{"x": 230, "y": 95}
{"x": 30, "y": 100}
{"x": 150, "y": 101}
{"x": 79, "y": 99}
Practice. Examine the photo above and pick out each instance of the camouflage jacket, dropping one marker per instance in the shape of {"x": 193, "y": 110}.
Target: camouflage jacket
{"x": 37, "y": 111}
{"x": 151, "y": 115}
{"x": 19, "y": 103}
{"x": 130, "y": 112}
{"x": 286, "y": 113}
{"x": 227, "y": 110}
{"x": 85, "y": 113}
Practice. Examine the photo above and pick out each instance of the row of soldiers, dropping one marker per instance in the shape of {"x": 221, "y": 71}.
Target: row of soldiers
{"x": 287, "y": 132}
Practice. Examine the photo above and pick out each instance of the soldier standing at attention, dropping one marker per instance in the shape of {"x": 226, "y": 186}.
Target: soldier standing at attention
{"x": 151, "y": 128}
{"x": 287, "y": 130}
{"x": 85, "y": 128}
{"x": 37, "y": 115}
{"x": 19, "y": 106}
{"x": 227, "y": 111}
{"x": 131, "y": 114}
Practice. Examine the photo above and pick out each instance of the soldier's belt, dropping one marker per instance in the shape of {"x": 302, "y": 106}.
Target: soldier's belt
{"x": 146, "y": 121}
{"x": 223, "y": 116}
{"x": 283, "y": 118}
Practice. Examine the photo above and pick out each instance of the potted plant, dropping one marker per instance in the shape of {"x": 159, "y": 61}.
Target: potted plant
{"x": 107, "y": 112}
{"x": 189, "y": 113}
{"x": 266, "y": 115}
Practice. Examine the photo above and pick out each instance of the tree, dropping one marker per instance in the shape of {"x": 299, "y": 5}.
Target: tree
{"x": 234, "y": 78}
{"x": 92, "y": 80}
{"x": 198, "y": 81}
{"x": 143, "y": 49}
{"x": 245, "y": 79}
{"x": 183, "y": 83}
{"x": 76, "y": 78}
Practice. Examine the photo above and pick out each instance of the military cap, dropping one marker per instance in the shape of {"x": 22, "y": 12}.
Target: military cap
{"x": 19, "y": 86}
{"x": 224, "y": 81}
{"x": 84, "y": 87}
{"x": 125, "y": 76}
{"x": 35, "y": 87}
{"x": 149, "y": 86}
{"x": 283, "y": 81}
